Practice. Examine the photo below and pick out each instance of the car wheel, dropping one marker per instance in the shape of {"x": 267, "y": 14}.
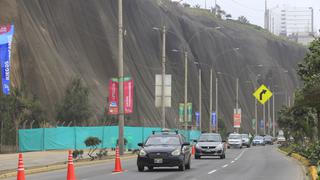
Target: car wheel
{"x": 196, "y": 156}
{"x": 182, "y": 167}
{"x": 248, "y": 146}
{"x": 150, "y": 168}
{"x": 228, "y": 147}
{"x": 240, "y": 147}
{"x": 223, "y": 156}
{"x": 188, "y": 166}
{"x": 140, "y": 168}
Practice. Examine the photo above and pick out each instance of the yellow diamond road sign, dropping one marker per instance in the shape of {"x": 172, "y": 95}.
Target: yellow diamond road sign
{"x": 263, "y": 94}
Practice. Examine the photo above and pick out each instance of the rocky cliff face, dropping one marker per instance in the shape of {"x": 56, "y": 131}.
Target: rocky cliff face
{"x": 57, "y": 40}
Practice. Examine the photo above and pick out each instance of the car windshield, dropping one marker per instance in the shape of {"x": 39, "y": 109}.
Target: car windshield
{"x": 244, "y": 135}
{"x": 234, "y": 136}
{"x": 258, "y": 137}
{"x": 163, "y": 140}
{"x": 210, "y": 138}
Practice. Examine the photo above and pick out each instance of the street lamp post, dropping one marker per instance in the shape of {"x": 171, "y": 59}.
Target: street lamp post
{"x": 217, "y": 115}
{"x": 210, "y": 104}
{"x": 200, "y": 95}
{"x": 186, "y": 90}
{"x": 120, "y": 76}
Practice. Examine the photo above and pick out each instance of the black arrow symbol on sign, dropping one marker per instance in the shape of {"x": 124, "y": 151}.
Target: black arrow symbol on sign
{"x": 262, "y": 93}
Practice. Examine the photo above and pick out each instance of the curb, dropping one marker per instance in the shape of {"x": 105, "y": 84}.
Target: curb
{"x": 60, "y": 166}
{"x": 312, "y": 169}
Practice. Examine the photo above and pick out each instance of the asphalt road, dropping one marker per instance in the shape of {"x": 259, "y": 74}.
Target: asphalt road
{"x": 263, "y": 163}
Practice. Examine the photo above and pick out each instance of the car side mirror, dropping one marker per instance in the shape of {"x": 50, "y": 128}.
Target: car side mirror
{"x": 195, "y": 141}
{"x": 186, "y": 144}
{"x": 140, "y": 144}
{"x": 224, "y": 141}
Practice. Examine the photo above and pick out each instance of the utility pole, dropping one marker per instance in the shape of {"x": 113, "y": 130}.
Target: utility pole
{"x": 237, "y": 100}
{"x": 200, "y": 123}
{"x": 120, "y": 76}
{"x": 210, "y": 106}
{"x": 186, "y": 90}
{"x": 256, "y": 114}
{"x": 264, "y": 119}
{"x": 269, "y": 117}
{"x": 217, "y": 94}
{"x": 163, "y": 105}
{"x": 273, "y": 118}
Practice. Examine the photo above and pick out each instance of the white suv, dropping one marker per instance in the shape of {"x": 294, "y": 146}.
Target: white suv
{"x": 235, "y": 140}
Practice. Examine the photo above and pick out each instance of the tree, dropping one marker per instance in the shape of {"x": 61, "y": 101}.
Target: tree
{"x": 243, "y": 20}
{"x": 93, "y": 143}
{"x": 14, "y": 109}
{"x": 186, "y": 5}
{"x": 75, "y": 106}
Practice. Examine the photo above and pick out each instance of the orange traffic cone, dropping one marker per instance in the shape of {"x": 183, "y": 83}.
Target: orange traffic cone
{"x": 117, "y": 165}
{"x": 20, "y": 173}
{"x": 70, "y": 175}
{"x": 193, "y": 150}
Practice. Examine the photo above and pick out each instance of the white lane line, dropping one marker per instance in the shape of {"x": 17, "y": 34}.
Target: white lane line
{"x": 114, "y": 173}
{"x": 226, "y": 165}
{"x": 232, "y": 162}
{"x": 212, "y": 171}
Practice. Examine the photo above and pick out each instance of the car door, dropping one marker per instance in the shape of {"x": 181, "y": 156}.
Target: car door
{"x": 187, "y": 150}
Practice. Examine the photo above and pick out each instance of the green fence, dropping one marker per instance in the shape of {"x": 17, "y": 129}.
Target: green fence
{"x": 73, "y": 137}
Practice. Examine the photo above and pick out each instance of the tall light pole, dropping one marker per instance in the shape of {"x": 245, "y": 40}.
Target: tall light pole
{"x": 163, "y": 106}
{"x": 210, "y": 104}
{"x": 186, "y": 90}
{"x": 120, "y": 76}
{"x": 217, "y": 109}
{"x": 163, "y": 74}
{"x": 200, "y": 95}
{"x": 273, "y": 118}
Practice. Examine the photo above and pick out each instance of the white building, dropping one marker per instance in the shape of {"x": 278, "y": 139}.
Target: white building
{"x": 296, "y": 23}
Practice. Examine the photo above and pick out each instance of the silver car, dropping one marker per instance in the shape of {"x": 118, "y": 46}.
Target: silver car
{"x": 235, "y": 140}
{"x": 210, "y": 144}
{"x": 245, "y": 140}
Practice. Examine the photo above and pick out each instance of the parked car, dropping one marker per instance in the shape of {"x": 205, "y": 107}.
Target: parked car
{"x": 245, "y": 140}
{"x": 268, "y": 139}
{"x": 210, "y": 144}
{"x": 258, "y": 140}
{"x": 281, "y": 139}
{"x": 164, "y": 149}
{"x": 235, "y": 140}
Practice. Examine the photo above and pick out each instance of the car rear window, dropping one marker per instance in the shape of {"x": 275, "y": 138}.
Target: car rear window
{"x": 163, "y": 140}
{"x": 234, "y": 136}
{"x": 210, "y": 138}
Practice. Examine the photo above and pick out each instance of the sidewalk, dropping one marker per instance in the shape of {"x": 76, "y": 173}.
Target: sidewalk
{"x": 35, "y": 159}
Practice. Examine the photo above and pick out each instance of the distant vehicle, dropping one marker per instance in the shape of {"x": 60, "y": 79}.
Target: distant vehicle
{"x": 210, "y": 144}
{"x": 258, "y": 140}
{"x": 235, "y": 140}
{"x": 164, "y": 149}
{"x": 245, "y": 140}
{"x": 281, "y": 139}
{"x": 268, "y": 139}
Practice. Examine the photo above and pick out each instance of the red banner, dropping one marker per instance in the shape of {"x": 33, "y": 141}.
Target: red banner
{"x": 4, "y": 29}
{"x": 128, "y": 96}
{"x": 113, "y": 97}
{"x": 236, "y": 120}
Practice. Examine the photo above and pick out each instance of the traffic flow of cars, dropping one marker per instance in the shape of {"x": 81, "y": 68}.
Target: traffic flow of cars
{"x": 168, "y": 148}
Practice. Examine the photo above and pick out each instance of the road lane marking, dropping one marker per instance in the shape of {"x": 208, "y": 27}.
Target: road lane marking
{"x": 226, "y": 165}
{"x": 212, "y": 171}
{"x": 114, "y": 173}
{"x": 232, "y": 162}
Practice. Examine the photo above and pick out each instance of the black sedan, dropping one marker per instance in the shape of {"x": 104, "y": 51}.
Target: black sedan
{"x": 164, "y": 149}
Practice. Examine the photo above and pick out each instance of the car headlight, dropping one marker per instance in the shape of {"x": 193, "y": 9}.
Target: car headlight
{"x": 142, "y": 153}
{"x": 176, "y": 152}
{"x": 197, "y": 146}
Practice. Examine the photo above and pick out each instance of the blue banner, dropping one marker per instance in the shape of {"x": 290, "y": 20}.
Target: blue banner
{"x": 197, "y": 118}
{"x": 6, "y": 34}
{"x": 5, "y": 68}
{"x": 214, "y": 119}
{"x": 261, "y": 124}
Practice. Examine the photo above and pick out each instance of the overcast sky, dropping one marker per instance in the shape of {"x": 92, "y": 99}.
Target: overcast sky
{"x": 254, "y": 9}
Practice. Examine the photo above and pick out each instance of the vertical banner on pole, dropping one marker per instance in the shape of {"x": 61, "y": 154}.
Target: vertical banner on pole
{"x": 113, "y": 97}
{"x": 128, "y": 95}
{"x": 197, "y": 114}
{"x": 189, "y": 112}
{"x": 6, "y": 35}
{"x": 261, "y": 124}
{"x": 254, "y": 124}
{"x": 214, "y": 119}
{"x": 181, "y": 112}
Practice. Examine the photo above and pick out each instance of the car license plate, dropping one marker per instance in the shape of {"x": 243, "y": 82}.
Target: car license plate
{"x": 158, "y": 161}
